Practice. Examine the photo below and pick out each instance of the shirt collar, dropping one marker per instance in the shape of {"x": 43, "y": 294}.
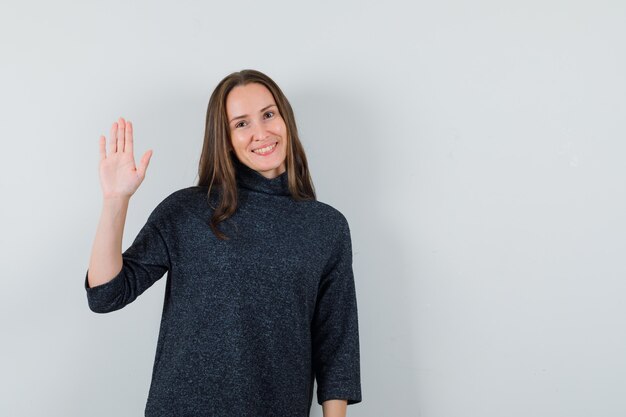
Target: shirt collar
{"x": 253, "y": 180}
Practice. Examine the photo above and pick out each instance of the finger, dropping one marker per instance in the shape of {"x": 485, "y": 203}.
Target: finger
{"x": 121, "y": 125}
{"x": 143, "y": 165}
{"x": 128, "y": 146}
{"x": 113, "y": 138}
{"x": 103, "y": 152}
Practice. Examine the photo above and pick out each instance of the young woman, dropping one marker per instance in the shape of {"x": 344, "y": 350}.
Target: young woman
{"x": 260, "y": 297}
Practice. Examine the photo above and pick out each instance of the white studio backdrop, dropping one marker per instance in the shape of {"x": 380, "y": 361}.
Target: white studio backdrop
{"x": 476, "y": 149}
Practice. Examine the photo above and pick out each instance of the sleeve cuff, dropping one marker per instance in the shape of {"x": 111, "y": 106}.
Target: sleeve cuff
{"x": 102, "y": 296}
{"x": 353, "y": 396}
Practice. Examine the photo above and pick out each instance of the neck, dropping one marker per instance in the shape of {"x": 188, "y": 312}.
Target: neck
{"x": 253, "y": 180}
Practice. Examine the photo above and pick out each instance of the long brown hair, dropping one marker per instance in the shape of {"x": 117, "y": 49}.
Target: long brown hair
{"x": 216, "y": 167}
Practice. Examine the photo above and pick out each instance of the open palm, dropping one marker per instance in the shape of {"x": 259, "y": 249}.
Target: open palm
{"x": 119, "y": 177}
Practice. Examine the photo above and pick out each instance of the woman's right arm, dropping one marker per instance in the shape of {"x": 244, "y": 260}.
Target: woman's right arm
{"x": 106, "y": 253}
{"x": 119, "y": 179}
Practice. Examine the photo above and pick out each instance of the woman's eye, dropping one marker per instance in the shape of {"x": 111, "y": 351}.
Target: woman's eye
{"x": 266, "y": 113}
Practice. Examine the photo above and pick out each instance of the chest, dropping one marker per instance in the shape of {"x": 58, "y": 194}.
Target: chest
{"x": 273, "y": 259}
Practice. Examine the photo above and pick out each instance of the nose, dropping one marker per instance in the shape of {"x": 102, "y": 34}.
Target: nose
{"x": 259, "y": 133}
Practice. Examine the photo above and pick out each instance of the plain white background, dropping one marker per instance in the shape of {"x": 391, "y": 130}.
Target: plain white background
{"x": 476, "y": 149}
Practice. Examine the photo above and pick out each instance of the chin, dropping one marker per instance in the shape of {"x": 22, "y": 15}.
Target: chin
{"x": 267, "y": 166}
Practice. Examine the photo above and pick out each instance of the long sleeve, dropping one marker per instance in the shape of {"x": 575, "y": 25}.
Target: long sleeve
{"x": 334, "y": 328}
{"x": 144, "y": 262}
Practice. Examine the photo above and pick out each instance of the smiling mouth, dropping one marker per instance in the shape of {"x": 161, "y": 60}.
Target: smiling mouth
{"x": 266, "y": 149}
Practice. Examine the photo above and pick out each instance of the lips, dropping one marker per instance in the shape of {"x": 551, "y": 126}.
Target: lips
{"x": 270, "y": 145}
{"x": 265, "y": 146}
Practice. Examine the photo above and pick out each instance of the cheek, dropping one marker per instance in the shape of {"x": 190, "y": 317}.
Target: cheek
{"x": 237, "y": 140}
{"x": 279, "y": 126}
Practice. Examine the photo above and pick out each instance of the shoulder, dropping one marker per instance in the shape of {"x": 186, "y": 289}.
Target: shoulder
{"x": 336, "y": 233}
{"x": 329, "y": 210}
{"x": 184, "y": 195}
{"x": 328, "y": 217}
{"x": 176, "y": 201}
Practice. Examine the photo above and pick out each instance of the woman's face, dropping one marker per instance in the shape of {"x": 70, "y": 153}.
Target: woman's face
{"x": 255, "y": 123}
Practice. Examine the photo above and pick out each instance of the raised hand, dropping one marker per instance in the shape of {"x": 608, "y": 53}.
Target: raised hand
{"x": 119, "y": 177}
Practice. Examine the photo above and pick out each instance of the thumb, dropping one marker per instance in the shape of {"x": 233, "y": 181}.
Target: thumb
{"x": 143, "y": 165}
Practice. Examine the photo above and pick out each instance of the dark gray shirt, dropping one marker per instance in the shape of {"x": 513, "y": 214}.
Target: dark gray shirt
{"x": 247, "y": 323}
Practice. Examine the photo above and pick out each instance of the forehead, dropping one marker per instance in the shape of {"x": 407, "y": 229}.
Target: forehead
{"x": 246, "y": 99}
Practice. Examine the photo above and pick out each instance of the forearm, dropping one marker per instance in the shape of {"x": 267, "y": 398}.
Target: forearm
{"x": 106, "y": 254}
{"x": 334, "y": 408}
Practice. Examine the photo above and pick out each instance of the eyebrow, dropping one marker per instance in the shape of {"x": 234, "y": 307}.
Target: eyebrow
{"x": 245, "y": 115}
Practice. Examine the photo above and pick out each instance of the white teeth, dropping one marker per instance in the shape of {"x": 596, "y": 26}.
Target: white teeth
{"x": 266, "y": 149}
